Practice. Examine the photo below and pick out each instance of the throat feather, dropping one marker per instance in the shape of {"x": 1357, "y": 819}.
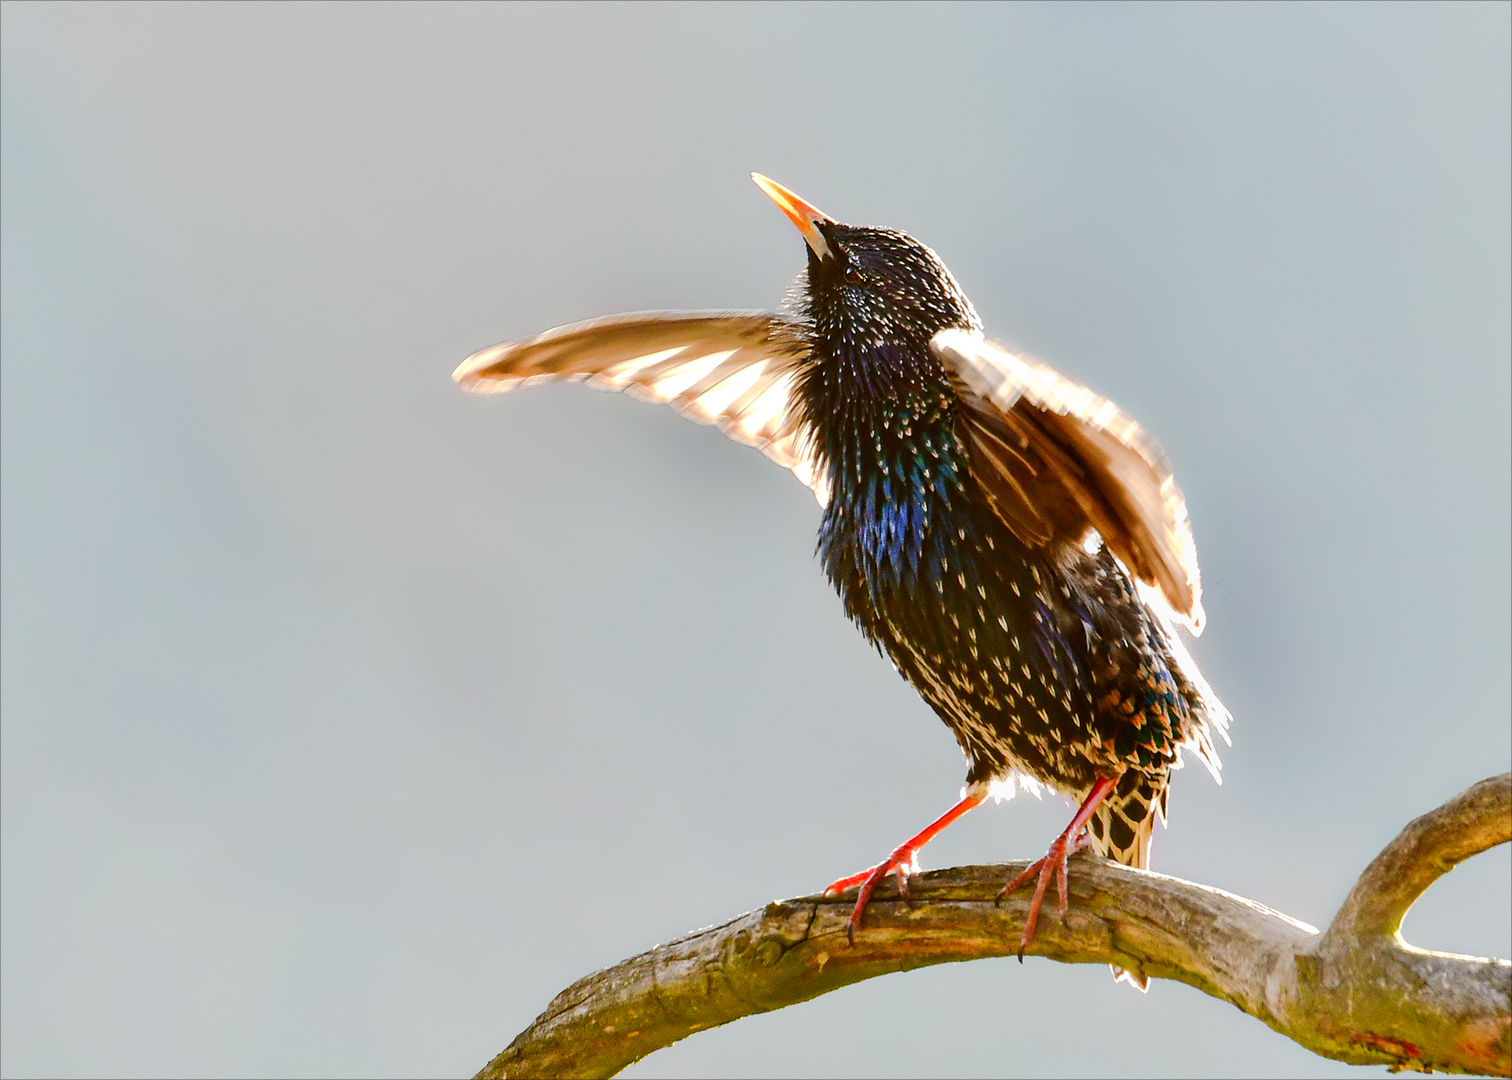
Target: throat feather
{"x": 886, "y": 434}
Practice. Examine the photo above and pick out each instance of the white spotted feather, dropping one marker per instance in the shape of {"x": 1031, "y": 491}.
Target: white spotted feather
{"x": 1096, "y": 453}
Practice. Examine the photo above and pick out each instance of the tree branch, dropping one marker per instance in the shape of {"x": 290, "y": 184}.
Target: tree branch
{"x": 1355, "y": 992}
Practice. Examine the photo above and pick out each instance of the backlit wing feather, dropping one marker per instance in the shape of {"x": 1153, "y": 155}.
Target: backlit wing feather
{"x": 731, "y": 369}
{"x": 1052, "y": 453}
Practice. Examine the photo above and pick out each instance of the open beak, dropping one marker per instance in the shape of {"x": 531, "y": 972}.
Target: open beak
{"x": 807, "y": 218}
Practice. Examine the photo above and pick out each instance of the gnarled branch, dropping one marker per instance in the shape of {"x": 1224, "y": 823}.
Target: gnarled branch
{"x": 1356, "y": 992}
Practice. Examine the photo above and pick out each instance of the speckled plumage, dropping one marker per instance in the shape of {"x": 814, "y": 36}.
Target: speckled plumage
{"x": 1042, "y": 660}
{"x": 1012, "y": 541}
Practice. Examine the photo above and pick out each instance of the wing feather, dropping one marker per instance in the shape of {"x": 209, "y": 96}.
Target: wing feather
{"x": 1053, "y": 453}
{"x": 731, "y": 369}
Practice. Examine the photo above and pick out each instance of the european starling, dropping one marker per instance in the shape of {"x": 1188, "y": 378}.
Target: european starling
{"x": 1010, "y": 540}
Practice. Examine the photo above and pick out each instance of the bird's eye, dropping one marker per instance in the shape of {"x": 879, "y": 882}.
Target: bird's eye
{"x": 853, "y": 275}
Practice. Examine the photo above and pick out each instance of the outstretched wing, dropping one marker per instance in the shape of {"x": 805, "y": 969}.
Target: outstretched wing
{"x": 1055, "y": 457}
{"x": 731, "y": 369}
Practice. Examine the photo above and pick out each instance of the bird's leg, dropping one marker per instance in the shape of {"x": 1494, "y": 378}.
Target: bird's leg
{"x": 901, "y": 860}
{"x": 1053, "y": 865}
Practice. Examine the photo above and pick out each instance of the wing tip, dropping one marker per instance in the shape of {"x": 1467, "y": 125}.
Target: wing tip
{"x": 471, "y": 373}
{"x": 1195, "y": 619}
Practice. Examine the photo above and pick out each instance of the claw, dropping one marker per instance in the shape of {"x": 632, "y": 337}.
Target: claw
{"x": 903, "y": 886}
{"x": 838, "y": 887}
{"x": 1053, "y": 865}
{"x": 903, "y": 861}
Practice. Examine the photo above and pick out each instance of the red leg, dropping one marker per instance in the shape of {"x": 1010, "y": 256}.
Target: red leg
{"x": 1053, "y": 865}
{"x": 901, "y": 861}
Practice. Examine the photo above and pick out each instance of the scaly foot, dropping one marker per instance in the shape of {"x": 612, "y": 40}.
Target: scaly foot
{"x": 1052, "y": 866}
{"x": 903, "y": 861}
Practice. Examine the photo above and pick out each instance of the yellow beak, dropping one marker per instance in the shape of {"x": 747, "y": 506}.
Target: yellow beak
{"x": 804, "y": 215}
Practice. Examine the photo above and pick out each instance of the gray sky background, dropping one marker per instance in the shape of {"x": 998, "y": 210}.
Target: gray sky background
{"x": 348, "y": 718}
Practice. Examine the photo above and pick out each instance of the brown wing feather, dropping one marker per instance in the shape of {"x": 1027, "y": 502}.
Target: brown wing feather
{"x": 731, "y": 369}
{"x": 1076, "y": 460}
{"x": 1008, "y": 458}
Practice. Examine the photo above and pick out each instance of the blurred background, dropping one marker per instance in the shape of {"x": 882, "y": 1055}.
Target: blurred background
{"x": 348, "y": 718}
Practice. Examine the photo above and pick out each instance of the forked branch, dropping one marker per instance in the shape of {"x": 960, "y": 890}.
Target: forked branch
{"x": 1355, "y": 992}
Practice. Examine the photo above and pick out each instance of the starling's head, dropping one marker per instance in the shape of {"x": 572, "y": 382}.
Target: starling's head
{"x": 868, "y": 288}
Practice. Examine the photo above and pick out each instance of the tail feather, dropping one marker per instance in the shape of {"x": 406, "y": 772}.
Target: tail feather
{"x": 1122, "y": 829}
{"x": 1124, "y": 825}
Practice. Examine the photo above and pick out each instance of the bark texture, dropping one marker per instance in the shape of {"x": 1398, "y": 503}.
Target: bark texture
{"x": 1355, "y": 992}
